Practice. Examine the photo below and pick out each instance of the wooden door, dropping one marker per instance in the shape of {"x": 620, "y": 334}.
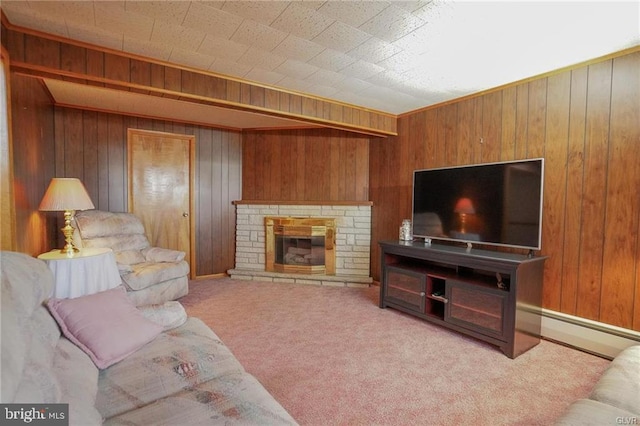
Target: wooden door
{"x": 161, "y": 176}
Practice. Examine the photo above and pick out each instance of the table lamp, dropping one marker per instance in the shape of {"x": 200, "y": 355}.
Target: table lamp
{"x": 67, "y": 195}
{"x": 464, "y": 206}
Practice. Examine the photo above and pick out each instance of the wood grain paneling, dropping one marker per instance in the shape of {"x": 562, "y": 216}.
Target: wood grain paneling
{"x": 585, "y": 122}
{"x": 67, "y": 142}
{"x": 54, "y": 57}
{"x": 306, "y": 165}
{"x": 33, "y": 160}
{"x": 619, "y": 285}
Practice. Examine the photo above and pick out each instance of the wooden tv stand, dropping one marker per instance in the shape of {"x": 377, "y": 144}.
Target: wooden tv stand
{"x": 492, "y": 296}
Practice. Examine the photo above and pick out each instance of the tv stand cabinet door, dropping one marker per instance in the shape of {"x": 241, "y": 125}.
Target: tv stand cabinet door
{"x": 477, "y": 308}
{"x": 406, "y": 288}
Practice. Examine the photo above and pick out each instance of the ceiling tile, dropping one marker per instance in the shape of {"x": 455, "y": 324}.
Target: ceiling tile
{"x": 362, "y": 70}
{"x": 177, "y": 36}
{"x": 221, "y": 47}
{"x": 352, "y": 84}
{"x": 403, "y": 61}
{"x": 213, "y": 21}
{"x": 264, "y": 12}
{"x": 374, "y": 50}
{"x": 173, "y": 12}
{"x": 296, "y": 69}
{"x": 230, "y": 68}
{"x": 325, "y": 77}
{"x": 112, "y": 17}
{"x": 353, "y": 13}
{"x": 258, "y": 35}
{"x": 297, "y": 48}
{"x": 332, "y": 60}
{"x": 147, "y": 48}
{"x": 392, "y": 24}
{"x": 341, "y": 37}
{"x": 411, "y": 6}
{"x": 419, "y": 40}
{"x": 268, "y": 77}
{"x": 191, "y": 58}
{"x": 324, "y": 91}
{"x": 93, "y": 35}
{"x": 302, "y": 21}
{"x": 255, "y": 57}
{"x": 80, "y": 10}
{"x": 311, "y": 4}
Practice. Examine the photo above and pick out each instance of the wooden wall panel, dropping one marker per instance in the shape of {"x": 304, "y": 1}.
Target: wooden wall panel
{"x": 66, "y": 142}
{"x": 67, "y": 59}
{"x": 305, "y": 165}
{"x": 585, "y": 122}
{"x": 33, "y": 159}
{"x": 595, "y": 196}
{"x": 557, "y": 130}
{"x": 574, "y": 191}
{"x": 622, "y": 211}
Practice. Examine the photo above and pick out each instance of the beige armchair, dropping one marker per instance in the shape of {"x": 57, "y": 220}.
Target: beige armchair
{"x": 152, "y": 275}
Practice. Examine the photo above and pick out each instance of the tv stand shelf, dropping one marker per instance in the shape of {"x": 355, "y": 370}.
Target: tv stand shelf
{"x": 492, "y": 296}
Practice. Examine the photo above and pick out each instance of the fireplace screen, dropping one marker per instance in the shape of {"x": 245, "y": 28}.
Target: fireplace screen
{"x": 299, "y": 251}
{"x": 300, "y": 245}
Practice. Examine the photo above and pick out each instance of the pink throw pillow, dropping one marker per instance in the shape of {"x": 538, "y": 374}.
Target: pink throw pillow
{"x": 106, "y": 325}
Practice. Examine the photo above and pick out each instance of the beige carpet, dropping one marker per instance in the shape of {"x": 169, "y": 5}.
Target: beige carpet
{"x": 331, "y": 356}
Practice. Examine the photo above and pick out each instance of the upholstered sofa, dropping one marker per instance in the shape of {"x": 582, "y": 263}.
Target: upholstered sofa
{"x": 152, "y": 275}
{"x": 177, "y": 373}
{"x": 615, "y": 399}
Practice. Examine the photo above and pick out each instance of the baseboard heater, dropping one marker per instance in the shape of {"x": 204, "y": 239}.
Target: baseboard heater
{"x": 590, "y": 336}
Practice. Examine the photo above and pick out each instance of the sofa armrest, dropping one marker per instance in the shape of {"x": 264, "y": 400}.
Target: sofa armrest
{"x": 158, "y": 254}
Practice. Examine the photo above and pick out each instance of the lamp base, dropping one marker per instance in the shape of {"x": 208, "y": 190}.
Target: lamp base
{"x": 69, "y": 249}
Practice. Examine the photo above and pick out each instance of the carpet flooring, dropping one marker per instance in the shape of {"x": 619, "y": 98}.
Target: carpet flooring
{"x": 331, "y": 356}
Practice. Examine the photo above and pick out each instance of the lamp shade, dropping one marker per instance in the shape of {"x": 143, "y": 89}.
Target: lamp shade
{"x": 464, "y": 206}
{"x": 66, "y": 194}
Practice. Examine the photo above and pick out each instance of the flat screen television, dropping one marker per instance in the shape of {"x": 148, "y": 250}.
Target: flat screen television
{"x": 493, "y": 203}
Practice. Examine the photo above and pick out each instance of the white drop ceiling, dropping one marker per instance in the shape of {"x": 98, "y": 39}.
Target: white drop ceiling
{"x": 391, "y": 56}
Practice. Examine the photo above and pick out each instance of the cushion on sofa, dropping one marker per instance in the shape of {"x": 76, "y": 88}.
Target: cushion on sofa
{"x": 97, "y": 223}
{"x": 148, "y": 273}
{"x": 232, "y": 399}
{"x": 177, "y": 359}
{"x": 160, "y": 254}
{"x": 105, "y": 325}
{"x": 619, "y": 385}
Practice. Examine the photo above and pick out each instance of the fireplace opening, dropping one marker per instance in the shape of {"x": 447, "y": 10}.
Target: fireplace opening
{"x": 300, "y": 245}
{"x": 299, "y": 251}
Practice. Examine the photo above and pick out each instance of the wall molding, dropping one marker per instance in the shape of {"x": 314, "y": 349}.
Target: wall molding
{"x": 587, "y": 335}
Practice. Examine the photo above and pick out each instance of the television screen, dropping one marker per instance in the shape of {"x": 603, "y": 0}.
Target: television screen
{"x": 493, "y": 203}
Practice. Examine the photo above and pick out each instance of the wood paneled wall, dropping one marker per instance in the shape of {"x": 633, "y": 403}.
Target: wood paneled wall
{"x": 54, "y": 57}
{"x": 585, "y": 122}
{"x": 305, "y": 165}
{"x": 66, "y": 142}
{"x": 33, "y": 156}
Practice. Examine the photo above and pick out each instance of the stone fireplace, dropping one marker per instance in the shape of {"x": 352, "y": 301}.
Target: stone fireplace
{"x": 311, "y": 243}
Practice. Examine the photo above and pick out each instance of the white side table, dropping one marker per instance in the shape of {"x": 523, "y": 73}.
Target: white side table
{"x": 89, "y": 271}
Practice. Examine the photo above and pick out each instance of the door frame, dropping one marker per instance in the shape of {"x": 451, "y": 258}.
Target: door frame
{"x": 192, "y": 181}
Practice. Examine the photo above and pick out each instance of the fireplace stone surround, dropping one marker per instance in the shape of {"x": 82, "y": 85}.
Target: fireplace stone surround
{"x": 352, "y": 241}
